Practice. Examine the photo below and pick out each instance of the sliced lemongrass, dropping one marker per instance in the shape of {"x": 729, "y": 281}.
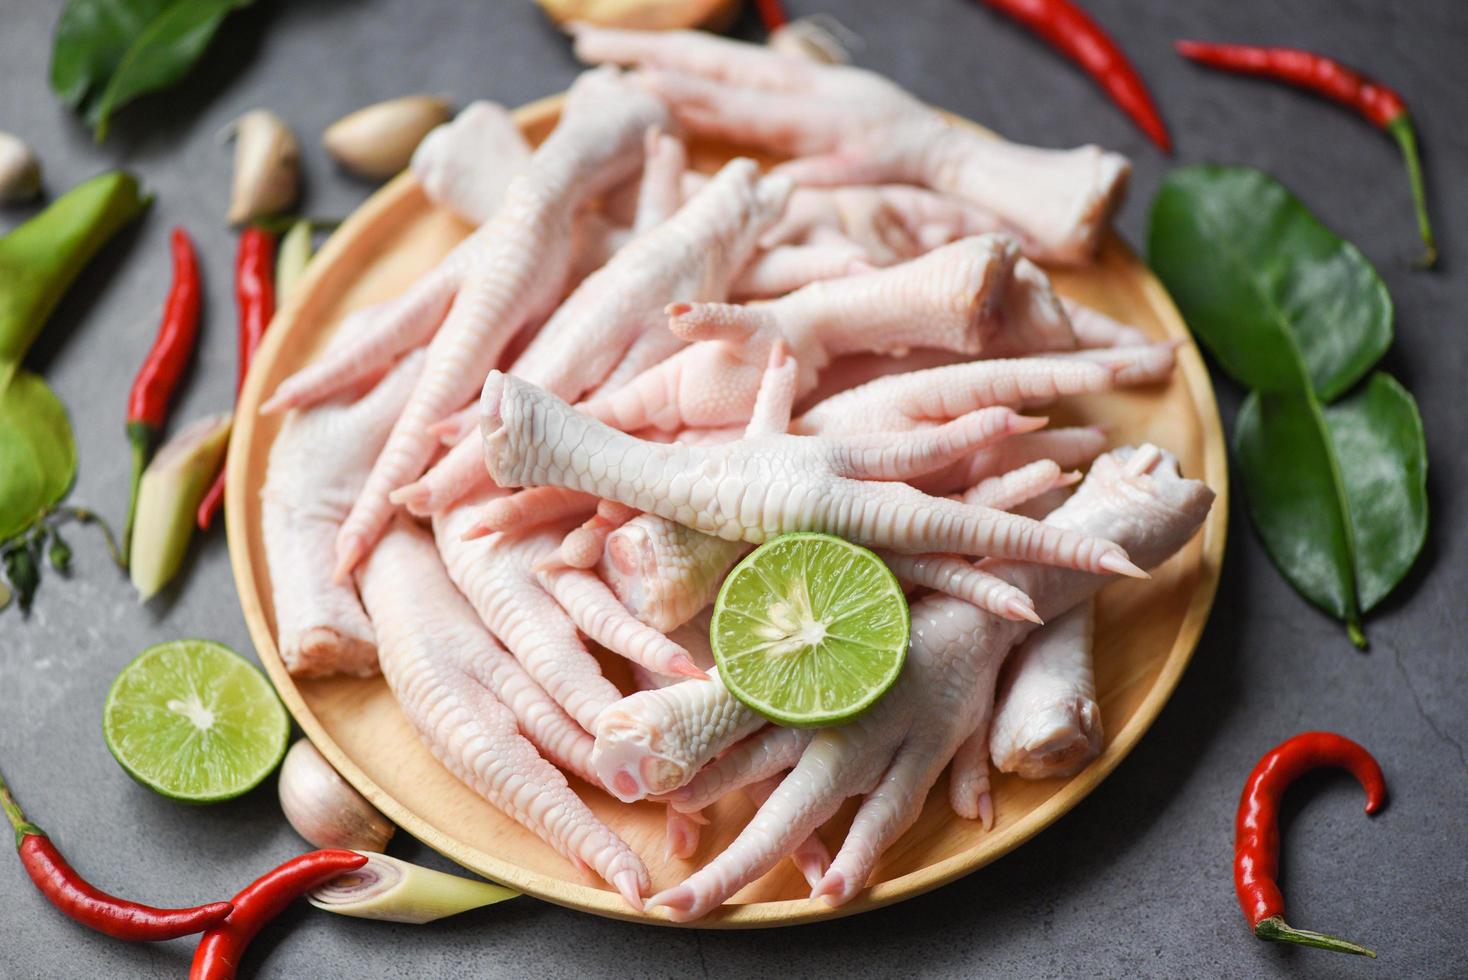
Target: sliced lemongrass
{"x": 396, "y": 891}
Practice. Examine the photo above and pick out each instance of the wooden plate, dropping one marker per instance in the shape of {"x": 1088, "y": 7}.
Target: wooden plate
{"x": 1145, "y": 633}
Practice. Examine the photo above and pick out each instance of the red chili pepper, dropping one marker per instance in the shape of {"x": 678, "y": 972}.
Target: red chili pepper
{"x": 157, "y": 379}
{"x": 254, "y": 292}
{"x": 1072, "y": 32}
{"x": 1256, "y": 840}
{"x": 222, "y": 947}
{"x": 90, "y": 906}
{"x": 771, "y": 14}
{"x": 1377, "y": 103}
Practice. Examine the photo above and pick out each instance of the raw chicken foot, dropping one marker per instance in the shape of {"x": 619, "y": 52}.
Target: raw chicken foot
{"x": 895, "y": 753}
{"x": 317, "y": 465}
{"x": 449, "y": 677}
{"x": 856, "y": 127}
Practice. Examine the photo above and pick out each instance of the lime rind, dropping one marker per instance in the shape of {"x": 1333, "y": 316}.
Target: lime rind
{"x": 194, "y": 721}
{"x": 863, "y": 638}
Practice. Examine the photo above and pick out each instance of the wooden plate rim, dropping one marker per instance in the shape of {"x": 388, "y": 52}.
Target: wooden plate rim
{"x": 401, "y": 193}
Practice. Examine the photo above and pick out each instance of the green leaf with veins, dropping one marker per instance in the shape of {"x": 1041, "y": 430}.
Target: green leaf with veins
{"x": 1338, "y": 493}
{"x": 1264, "y": 285}
{"x": 1335, "y": 478}
{"x": 108, "y": 52}
{"x": 37, "y": 452}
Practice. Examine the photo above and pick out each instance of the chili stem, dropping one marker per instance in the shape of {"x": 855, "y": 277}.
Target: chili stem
{"x": 84, "y": 516}
{"x": 1275, "y": 929}
{"x": 23, "y": 827}
{"x": 1406, "y": 137}
{"x": 137, "y": 437}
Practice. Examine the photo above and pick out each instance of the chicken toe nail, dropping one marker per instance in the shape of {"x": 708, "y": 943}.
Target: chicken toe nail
{"x": 1117, "y": 563}
{"x": 627, "y": 885}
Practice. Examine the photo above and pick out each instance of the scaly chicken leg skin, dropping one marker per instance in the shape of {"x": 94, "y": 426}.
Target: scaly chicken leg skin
{"x": 318, "y": 463}
{"x": 854, "y": 126}
{"x": 513, "y": 269}
{"x": 893, "y": 754}
{"x": 1046, "y": 720}
{"x": 754, "y": 488}
{"x": 617, "y": 312}
{"x": 433, "y": 650}
{"x": 975, "y": 297}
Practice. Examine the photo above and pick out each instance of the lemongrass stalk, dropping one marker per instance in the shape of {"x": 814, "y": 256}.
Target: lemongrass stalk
{"x": 168, "y": 494}
{"x": 291, "y": 259}
{"x": 395, "y": 891}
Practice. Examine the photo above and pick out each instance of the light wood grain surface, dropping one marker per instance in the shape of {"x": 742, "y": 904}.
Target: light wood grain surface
{"x": 1146, "y": 631}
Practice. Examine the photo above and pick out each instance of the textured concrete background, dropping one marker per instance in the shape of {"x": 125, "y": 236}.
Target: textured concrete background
{"x": 1134, "y": 881}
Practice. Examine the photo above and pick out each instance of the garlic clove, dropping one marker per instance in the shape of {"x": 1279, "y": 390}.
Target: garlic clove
{"x": 323, "y": 808}
{"x": 267, "y": 167}
{"x": 378, "y": 141}
{"x": 820, "y": 38}
{"x": 646, "y": 15}
{"x": 20, "y": 171}
{"x": 393, "y": 890}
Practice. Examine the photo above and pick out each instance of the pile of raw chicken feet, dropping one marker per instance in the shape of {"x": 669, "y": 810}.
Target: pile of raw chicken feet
{"x": 636, "y": 334}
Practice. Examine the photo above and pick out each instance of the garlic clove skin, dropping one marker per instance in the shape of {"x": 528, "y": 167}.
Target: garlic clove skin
{"x": 20, "y": 171}
{"x": 323, "y": 808}
{"x": 645, "y": 15}
{"x": 378, "y": 141}
{"x": 267, "y": 167}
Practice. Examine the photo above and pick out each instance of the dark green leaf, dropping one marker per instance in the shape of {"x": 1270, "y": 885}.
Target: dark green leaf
{"x": 1378, "y": 439}
{"x": 1263, "y": 284}
{"x": 1338, "y": 493}
{"x": 109, "y": 52}
{"x": 39, "y": 259}
{"x": 91, "y": 40}
{"x": 1296, "y": 502}
{"x": 37, "y": 453}
{"x": 24, "y": 575}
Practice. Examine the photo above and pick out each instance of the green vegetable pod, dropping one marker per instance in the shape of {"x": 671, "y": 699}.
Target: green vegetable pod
{"x": 396, "y": 891}
{"x": 169, "y": 494}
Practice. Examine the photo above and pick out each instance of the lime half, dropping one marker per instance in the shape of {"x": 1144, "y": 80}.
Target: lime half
{"x": 193, "y": 720}
{"x": 810, "y": 630}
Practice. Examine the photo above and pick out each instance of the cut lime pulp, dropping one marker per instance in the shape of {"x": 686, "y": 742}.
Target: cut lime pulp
{"x": 810, "y": 630}
{"x": 195, "y": 721}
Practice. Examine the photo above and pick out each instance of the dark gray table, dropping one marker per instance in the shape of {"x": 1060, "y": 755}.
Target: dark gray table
{"x": 1135, "y": 881}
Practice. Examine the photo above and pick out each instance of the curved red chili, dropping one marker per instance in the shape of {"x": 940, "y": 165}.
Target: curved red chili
{"x": 1256, "y": 840}
{"x": 1072, "y": 32}
{"x": 221, "y": 948}
{"x": 163, "y": 368}
{"x": 1377, "y": 103}
{"x": 92, "y": 907}
{"x": 254, "y": 291}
